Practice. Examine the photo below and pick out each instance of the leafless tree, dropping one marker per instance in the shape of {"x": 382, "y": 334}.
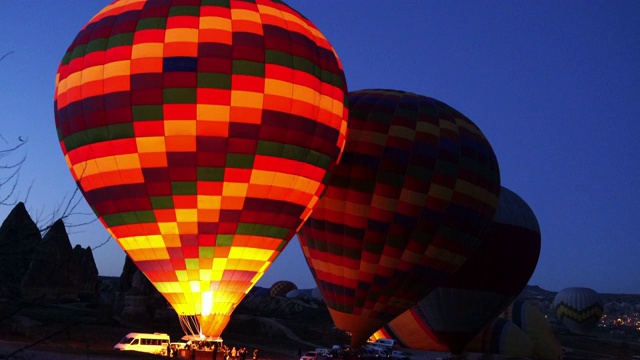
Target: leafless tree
{"x": 66, "y": 210}
{"x": 10, "y": 163}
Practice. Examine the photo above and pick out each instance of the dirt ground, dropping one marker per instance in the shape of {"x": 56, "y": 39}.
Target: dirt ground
{"x": 592, "y": 347}
{"x": 75, "y": 331}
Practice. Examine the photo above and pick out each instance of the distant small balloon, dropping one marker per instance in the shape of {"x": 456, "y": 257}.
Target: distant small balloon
{"x": 281, "y": 288}
{"x": 579, "y": 309}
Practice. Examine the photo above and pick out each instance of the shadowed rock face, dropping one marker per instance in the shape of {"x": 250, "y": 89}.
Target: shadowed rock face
{"x": 19, "y": 237}
{"x": 88, "y": 275}
{"x": 46, "y": 269}
{"x": 136, "y": 298}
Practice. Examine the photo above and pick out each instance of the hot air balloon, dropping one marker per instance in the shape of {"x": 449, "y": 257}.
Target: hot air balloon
{"x": 502, "y": 337}
{"x": 413, "y": 195}
{"x": 527, "y": 316}
{"x": 489, "y": 280}
{"x": 482, "y": 288}
{"x": 201, "y": 133}
{"x": 579, "y": 309}
{"x": 281, "y": 288}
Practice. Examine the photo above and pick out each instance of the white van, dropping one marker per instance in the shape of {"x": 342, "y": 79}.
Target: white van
{"x": 386, "y": 343}
{"x": 155, "y": 343}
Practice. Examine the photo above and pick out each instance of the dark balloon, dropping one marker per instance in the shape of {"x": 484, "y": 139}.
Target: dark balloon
{"x": 412, "y": 197}
{"x": 490, "y": 280}
{"x": 502, "y": 337}
{"x": 527, "y": 316}
{"x": 485, "y": 285}
{"x": 281, "y": 288}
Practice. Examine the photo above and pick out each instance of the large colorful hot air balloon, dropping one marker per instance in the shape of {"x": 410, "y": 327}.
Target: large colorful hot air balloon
{"x": 201, "y": 133}
{"x": 414, "y": 193}
{"x": 578, "y": 308}
{"x": 490, "y": 280}
{"x": 482, "y": 288}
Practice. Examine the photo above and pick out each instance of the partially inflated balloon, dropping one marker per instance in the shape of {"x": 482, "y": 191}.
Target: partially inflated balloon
{"x": 281, "y": 288}
{"x": 526, "y": 315}
{"x": 578, "y": 308}
{"x": 502, "y": 337}
{"x": 413, "y": 195}
{"x": 201, "y": 133}
{"x": 482, "y": 288}
{"x": 490, "y": 280}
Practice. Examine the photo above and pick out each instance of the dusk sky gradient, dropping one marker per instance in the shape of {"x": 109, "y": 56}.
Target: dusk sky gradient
{"x": 554, "y": 85}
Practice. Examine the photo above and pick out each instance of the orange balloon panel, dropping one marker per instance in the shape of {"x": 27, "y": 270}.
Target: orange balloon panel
{"x": 411, "y": 332}
{"x": 201, "y": 134}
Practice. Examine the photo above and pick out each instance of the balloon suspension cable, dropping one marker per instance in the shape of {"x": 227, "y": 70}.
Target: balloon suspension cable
{"x": 190, "y": 325}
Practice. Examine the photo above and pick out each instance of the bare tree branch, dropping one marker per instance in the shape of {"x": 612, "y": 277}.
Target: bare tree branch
{"x": 5, "y": 55}
{"x": 102, "y": 244}
{"x": 67, "y": 211}
{"x": 10, "y": 171}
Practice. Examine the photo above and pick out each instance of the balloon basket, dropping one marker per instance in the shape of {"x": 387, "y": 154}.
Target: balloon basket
{"x": 198, "y": 354}
{"x": 185, "y": 354}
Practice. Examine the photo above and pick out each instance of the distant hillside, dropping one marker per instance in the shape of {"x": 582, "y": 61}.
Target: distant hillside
{"x": 535, "y": 291}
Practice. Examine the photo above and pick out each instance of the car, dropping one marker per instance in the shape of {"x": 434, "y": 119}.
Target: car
{"x": 323, "y": 353}
{"x": 400, "y": 355}
{"x": 309, "y": 355}
{"x": 372, "y": 353}
{"x": 387, "y": 343}
{"x": 370, "y": 346}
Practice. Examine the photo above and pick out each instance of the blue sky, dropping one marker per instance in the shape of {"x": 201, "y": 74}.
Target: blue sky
{"x": 554, "y": 85}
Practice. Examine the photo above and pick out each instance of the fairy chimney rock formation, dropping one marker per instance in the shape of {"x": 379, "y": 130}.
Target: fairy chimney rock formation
{"x": 43, "y": 269}
{"x": 19, "y": 236}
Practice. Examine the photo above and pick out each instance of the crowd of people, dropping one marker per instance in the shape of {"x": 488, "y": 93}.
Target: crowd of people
{"x": 220, "y": 351}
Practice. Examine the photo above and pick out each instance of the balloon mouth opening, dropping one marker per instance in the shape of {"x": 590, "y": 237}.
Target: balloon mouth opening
{"x": 204, "y": 328}
{"x": 191, "y": 327}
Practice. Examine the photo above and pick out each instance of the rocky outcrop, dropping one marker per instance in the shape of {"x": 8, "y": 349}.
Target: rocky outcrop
{"x": 43, "y": 269}
{"x": 19, "y": 236}
{"x": 51, "y": 275}
{"x": 88, "y": 283}
{"x": 137, "y": 300}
